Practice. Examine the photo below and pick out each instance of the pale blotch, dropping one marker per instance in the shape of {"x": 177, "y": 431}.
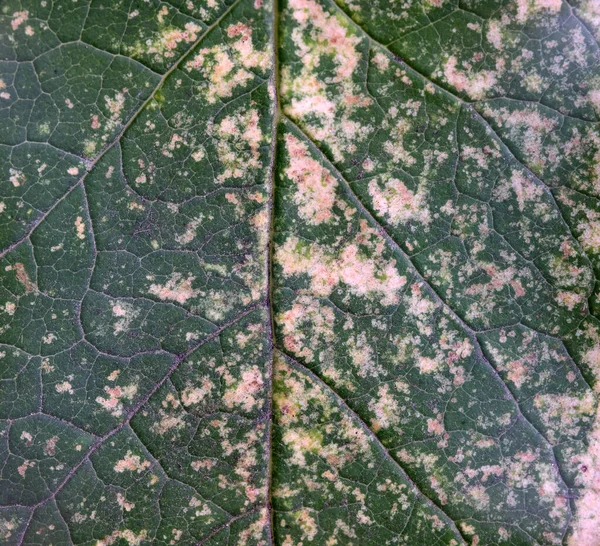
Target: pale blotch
{"x": 399, "y": 204}
{"x": 49, "y": 448}
{"x": 194, "y": 395}
{"x": 131, "y": 463}
{"x": 178, "y": 288}
{"x": 363, "y": 357}
{"x": 245, "y": 393}
{"x": 305, "y": 325}
{"x": 22, "y": 276}
{"x": 126, "y": 314}
{"x": 238, "y": 139}
{"x": 122, "y": 502}
{"x": 326, "y": 110}
{"x": 164, "y": 44}
{"x": 315, "y": 186}
{"x": 527, "y": 8}
{"x": 587, "y": 520}
{"x": 16, "y": 177}
{"x": 190, "y": 231}
{"x": 227, "y": 66}
{"x": 590, "y": 235}
{"x": 526, "y": 190}
{"x": 564, "y": 414}
{"x": 307, "y": 523}
{"x": 80, "y": 227}
{"x": 474, "y": 84}
{"x": 127, "y": 535}
{"x": 18, "y": 18}
{"x": 113, "y": 403}
{"x": 386, "y": 410}
{"x": 589, "y": 10}
{"x": 364, "y": 275}
{"x": 22, "y": 469}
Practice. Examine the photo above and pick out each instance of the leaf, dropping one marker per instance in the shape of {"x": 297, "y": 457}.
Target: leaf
{"x": 299, "y": 273}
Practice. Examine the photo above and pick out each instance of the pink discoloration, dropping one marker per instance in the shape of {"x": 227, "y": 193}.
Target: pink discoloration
{"x": 18, "y": 18}
{"x": 474, "y": 84}
{"x": 131, "y": 463}
{"x": 316, "y": 187}
{"x": 398, "y": 204}
{"x": 364, "y": 276}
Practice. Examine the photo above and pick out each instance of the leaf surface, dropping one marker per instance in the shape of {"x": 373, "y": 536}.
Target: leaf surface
{"x": 299, "y": 272}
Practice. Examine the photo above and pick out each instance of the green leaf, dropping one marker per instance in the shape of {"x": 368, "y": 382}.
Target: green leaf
{"x": 300, "y": 272}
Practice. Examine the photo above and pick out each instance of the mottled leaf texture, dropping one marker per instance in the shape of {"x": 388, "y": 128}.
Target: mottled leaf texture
{"x": 300, "y": 272}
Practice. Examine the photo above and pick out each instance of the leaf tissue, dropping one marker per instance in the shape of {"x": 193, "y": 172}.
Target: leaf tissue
{"x": 300, "y": 272}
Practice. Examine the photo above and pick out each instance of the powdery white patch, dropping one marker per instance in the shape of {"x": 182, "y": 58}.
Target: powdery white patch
{"x": 436, "y": 426}
{"x": 131, "y": 463}
{"x": 167, "y": 422}
{"x": 428, "y": 365}
{"x": 178, "y": 288}
{"x": 65, "y": 386}
{"x": 570, "y": 300}
{"x": 530, "y": 129}
{"x": 474, "y": 84}
{"x": 381, "y": 61}
{"x": 227, "y": 66}
{"x": 525, "y": 189}
{"x": 255, "y": 532}
{"x": 316, "y": 187}
{"x": 114, "y": 402}
{"x": 589, "y": 10}
{"x": 399, "y": 204}
{"x": 494, "y": 34}
{"x": 80, "y": 227}
{"x": 478, "y": 497}
{"x": 203, "y": 463}
{"x": 49, "y": 338}
{"x": 301, "y": 441}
